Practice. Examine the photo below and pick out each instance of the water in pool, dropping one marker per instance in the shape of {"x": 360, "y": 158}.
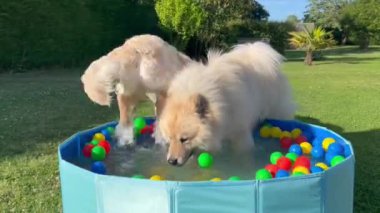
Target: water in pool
{"x": 151, "y": 160}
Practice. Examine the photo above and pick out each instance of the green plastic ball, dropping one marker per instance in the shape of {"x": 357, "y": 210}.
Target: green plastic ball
{"x": 111, "y": 130}
{"x": 292, "y": 156}
{"x": 138, "y": 176}
{"x": 205, "y": 160}
{"x": 98, "y": 153}
{"x": 274, "y": 157}
{"x": 337, "y": 160}
{"x": 263, "y": 174}
{"x": 94, "y": 142}
{"x": 298, "y": 174}
{"x": 234, "y": 178}
{"x": 139, "y": 124}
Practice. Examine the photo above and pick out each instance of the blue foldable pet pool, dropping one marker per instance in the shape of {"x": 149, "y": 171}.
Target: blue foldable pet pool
{"x": 324, "y": 192}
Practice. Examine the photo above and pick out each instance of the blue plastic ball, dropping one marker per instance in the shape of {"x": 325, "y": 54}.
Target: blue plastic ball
{"x": 295, "y": 148}
{"x": 329, "y": 156}
{"x": 98, "y": 167}
{"x": 317, "y": 142}
{"x": 347, "y": 150}
{"x": 106, "y": 134}
{"x": 149, "y": 121}
{"x": 317, "y": 152}
{"x": 336, "y": 148}
{"x": 282, "y": 173}
{"x": 316, "y": 169}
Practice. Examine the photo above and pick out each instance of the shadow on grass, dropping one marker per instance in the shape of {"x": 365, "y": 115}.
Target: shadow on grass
{"x": 367, "y": 169}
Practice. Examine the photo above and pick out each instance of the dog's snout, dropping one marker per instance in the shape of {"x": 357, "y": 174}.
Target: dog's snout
{"x": 173, "y": 162}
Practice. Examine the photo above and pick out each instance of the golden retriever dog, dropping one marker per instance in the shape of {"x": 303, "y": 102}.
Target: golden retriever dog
{"x": 143, "y": 66}
{"x": 222, "y": 101}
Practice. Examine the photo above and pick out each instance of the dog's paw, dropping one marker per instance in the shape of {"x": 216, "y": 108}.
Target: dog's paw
{"x": 158, "y": 138}
{"x": 124, "y": 135}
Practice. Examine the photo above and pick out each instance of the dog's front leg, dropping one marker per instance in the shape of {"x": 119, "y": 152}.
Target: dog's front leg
{"x": 159, "y": 104}
{"x": 124, "y": 130}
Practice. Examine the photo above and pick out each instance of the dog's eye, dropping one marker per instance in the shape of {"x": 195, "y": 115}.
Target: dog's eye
{"x": 183, "y": 139}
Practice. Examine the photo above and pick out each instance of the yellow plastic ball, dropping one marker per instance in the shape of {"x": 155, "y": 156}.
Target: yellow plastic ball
{"x": 301, "y": 169}
{"x": 99, "y": 137}
{"x": 306, "y": 147}
{"x": 285, "y": 134}
{"x": 326, "y": 143}
{"x": 296, "y": 132}
{"x": 216, "y": 179}
{"x": 156, "y": 177}
{"x": 265, "y": 132}
{"x": 322, "y": 166}
{"x": 275, "y": 132}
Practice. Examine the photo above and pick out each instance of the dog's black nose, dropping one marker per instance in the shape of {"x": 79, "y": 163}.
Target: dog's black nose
{"x": 173, "y": 162}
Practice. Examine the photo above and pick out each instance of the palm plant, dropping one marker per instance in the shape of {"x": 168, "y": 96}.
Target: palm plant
{"x": 311, "y": 41}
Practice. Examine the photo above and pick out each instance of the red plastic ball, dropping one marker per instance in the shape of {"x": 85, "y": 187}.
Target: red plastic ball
{"x": 284, "y": 163}
{"x": 87, "y": 150}
{"x": 302, "y": 161}
{"x": 147, "y": 130}
{"x": 105, "y": 145}
{"x": 300, "y": 139}
{"x": 272, "y": 169}
{"x": 286, "y": 142}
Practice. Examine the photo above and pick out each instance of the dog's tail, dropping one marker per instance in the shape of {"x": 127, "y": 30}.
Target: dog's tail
{"x": 261, "y": 56}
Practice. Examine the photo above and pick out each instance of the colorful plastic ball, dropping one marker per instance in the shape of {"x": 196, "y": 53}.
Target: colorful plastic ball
{"x": 284, "y": 163}
{"x": 337, "y": 160}
{"x": 295, "y": 148}
{"x": 298, "y": 174}
{"x": 303, "y": 161}
{"x": 265, "y": 132}
{"x": 275, "y": 156}
{"x": 156, "y": 177}
{"x": 98, "y": 167}
{"x": 216, "y": 179}
{"x": 205, "y": 160}
{"x": 282, "y": 173}
{"x": 105, "y": 145}
{"x": 317, "y": 143}
{"x": 300, "y": 139}
{"x": 326, "y": 143}
{"x": 275, "y": 132}
{"x": 322, "y": 166}
{"x": 301, "y": 169}
{"x": 98, "y": 153}
{"x": 328, "y": 157}
{"x": 106, "y": 134}
{"x": 292, "y": 156}
{"x": 296, "y": 132}
{"x": 99, "y": 137}
{"x": 285, "y": 134}
{"x": 347, "y": 150}
{"x": 87, "y": 150}
{"x": 234, "y": 178}
{"x": 138, "y": 177}
{"x": 336, "y": 148}
{"x": 286, "y": 142}
{"x": 316, "y": 169}
{"x": 272, "y": 169}
{"x": 147, "y": 130}
{"x": 94, "y": 142}
{"x": 263, "y": 174}
{"x": 306, "y": 147}
{"x": 139, "y": 124}
{"x": 110, "y": 130}
{"x": 317, "y": 152}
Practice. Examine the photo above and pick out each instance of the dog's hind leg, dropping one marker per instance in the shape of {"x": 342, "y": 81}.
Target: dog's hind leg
{"x": 124, "y": 130}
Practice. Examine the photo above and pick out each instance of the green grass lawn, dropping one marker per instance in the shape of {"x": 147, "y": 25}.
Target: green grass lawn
{"x": 38, "y": 110}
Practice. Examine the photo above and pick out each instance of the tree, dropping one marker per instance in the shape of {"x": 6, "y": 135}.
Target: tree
{"x": 362, "y": 18}
{"x": 311, "y": 41}
{"x": 292, "y": 19}
{"x": 182, "y": 19}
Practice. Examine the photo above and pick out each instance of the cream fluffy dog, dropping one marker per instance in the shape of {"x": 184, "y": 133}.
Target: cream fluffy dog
{"x": 143, "y": 65}
{"x": 224, "y": 100}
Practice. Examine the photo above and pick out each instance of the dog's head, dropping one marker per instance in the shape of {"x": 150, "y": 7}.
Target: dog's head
{"x": 98, "y": 80}
{"x": 185, "y": 126}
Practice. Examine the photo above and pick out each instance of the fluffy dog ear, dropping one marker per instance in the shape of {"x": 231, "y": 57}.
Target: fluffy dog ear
{"x": 202, "y": 106}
